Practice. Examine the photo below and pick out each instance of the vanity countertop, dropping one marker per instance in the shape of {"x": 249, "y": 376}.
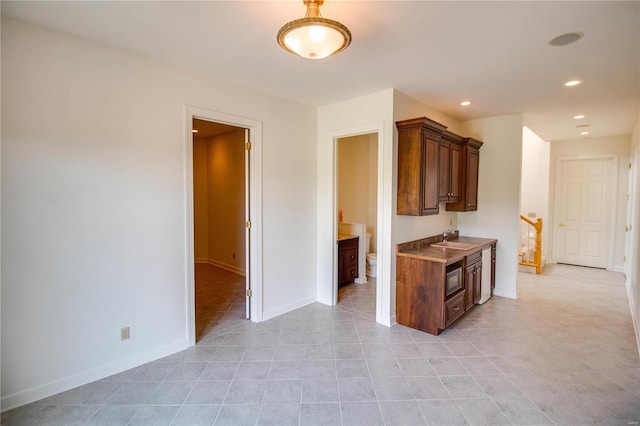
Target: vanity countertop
{"x": 422, "y": 249}
{"x": 342, "y": 237}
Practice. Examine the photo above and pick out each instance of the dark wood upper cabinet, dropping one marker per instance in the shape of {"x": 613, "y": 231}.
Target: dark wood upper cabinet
{"x": 450, "y": 152}
{"x": 468, "y": 177}
{"x": 418, "y": 166}
{"x": 435, "y": 165}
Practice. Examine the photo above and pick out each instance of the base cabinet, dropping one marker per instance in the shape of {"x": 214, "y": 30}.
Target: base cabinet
{"x": 473, "y": 278}
{"x": 493, "y": 268}
{"x": 421, "y": 296}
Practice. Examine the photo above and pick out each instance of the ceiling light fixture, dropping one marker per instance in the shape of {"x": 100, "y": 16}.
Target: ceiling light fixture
{"x": 565, "y": 39}
{"x": 573, "y": 83}
{"x": 578, "y": 117}
{"x": 314, "y": 37}
{"x": 584, "y": 133}
{"x": 465, "y": 103}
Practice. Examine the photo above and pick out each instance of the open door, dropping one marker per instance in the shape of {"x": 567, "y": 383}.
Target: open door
{"x": 247, "y": 211}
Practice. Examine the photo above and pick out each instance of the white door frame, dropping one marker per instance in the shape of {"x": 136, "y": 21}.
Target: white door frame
{"x": 613, "y": 190}
{"x": 383, "y": 225}
{"x": 255, "y": 210}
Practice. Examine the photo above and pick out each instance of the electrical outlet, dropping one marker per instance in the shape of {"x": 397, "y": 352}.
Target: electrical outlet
{"x": 125, "y": 333}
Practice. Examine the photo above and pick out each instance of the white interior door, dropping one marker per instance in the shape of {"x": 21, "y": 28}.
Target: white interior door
{"x": 247, "y": 213}
{"x": 584, "y": 205}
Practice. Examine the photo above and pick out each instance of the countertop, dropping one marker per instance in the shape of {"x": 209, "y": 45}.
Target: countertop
{"x": 342, "y": 237}
{"x": 422, "y": 249}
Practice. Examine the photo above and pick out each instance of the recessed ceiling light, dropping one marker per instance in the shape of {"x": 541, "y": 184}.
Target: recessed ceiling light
{"x": 584, "y": 133}
{"x": 572, "y": 83}
{"x": 578, "y": 117}
{"x": 565, "y": 39}
{"x": 194, "y": 131}
{"x": 580, "y": 126}
{"x": 465, "y": 103}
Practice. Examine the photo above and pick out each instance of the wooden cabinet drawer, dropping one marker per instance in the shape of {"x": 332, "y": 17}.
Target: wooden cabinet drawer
{"x": 474, "y": 258}
{"x": 351, "y": 257}
{"x": 351, "y": 243}
{"x": 454, "y": 307}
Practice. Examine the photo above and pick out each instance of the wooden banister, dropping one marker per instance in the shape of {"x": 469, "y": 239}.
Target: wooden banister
{"x": 537, "y": 252}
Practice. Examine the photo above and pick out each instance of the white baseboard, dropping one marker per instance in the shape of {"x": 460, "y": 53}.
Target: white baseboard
{"x": 222, "y": 265}
{"x": 509, "y": 295}
{"x": 272, "y": 313}
{"x": 392, "y": 322}
{"x": 37, "y": 393}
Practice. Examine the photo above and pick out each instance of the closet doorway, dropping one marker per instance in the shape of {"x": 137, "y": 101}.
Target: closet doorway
{"x": 223, "y": 233}
{"x": 220, "y": 234}
{"x": 357, "y": 202}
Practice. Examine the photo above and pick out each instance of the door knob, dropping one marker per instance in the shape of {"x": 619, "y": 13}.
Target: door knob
{"x": 562, "y": 225}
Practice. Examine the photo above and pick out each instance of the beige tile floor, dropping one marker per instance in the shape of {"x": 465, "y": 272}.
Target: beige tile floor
{"x": 564, "y": 354}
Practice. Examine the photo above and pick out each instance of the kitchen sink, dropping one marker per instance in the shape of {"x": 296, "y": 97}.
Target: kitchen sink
{"x": 454, "y": 245}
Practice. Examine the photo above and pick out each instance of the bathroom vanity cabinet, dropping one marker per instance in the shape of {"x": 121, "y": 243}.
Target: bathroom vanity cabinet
{"x": 425, "y": 300}
{"x": 347, "y": 259}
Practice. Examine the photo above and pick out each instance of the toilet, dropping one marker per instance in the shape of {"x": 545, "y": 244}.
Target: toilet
{"x": 372, "y": 259}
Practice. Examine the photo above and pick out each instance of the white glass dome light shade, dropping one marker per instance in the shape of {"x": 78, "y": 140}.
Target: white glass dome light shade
{"x": 314, "y": 38}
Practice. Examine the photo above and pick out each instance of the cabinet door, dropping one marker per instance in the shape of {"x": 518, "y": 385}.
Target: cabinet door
{"x": 445, "y": 171}
{"x": 455, "y": 159}
{"x": 472, "y": 179}
{"x": 469, "y": 286}
{"x": 429, "y": 178}
{"x": 477, "y": 282}
{"x": 493, "y": 267}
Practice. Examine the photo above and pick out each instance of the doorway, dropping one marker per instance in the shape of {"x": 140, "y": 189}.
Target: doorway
{"x": 221, "y": 240}
{"x": 357, "y": 201}
{"x": 228, "y": 254}
{"x": 585, "y": 209}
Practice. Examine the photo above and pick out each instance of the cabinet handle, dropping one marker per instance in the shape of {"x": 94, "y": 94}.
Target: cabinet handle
{"x": 457, "y": 308}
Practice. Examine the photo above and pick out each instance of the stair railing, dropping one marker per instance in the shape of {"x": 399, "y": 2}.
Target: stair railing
{"x": 537, "y": 252}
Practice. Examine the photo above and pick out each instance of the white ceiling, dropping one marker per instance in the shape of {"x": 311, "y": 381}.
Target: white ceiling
{"x": 439, "y": 52}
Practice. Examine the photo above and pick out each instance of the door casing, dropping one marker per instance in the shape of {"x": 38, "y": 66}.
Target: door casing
{"x": 254, "y": 210}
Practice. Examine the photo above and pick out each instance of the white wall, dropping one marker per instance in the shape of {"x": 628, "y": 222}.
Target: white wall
{"x": 226, "y": 201}
{"x": 633, "y": 269}
{"x": 618, "y": 145}
{"x": 367, "y": 114}
{"x": 93, "y": 190}
{"x": 498, "y": 214}
{"x": 534, "y": 197}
